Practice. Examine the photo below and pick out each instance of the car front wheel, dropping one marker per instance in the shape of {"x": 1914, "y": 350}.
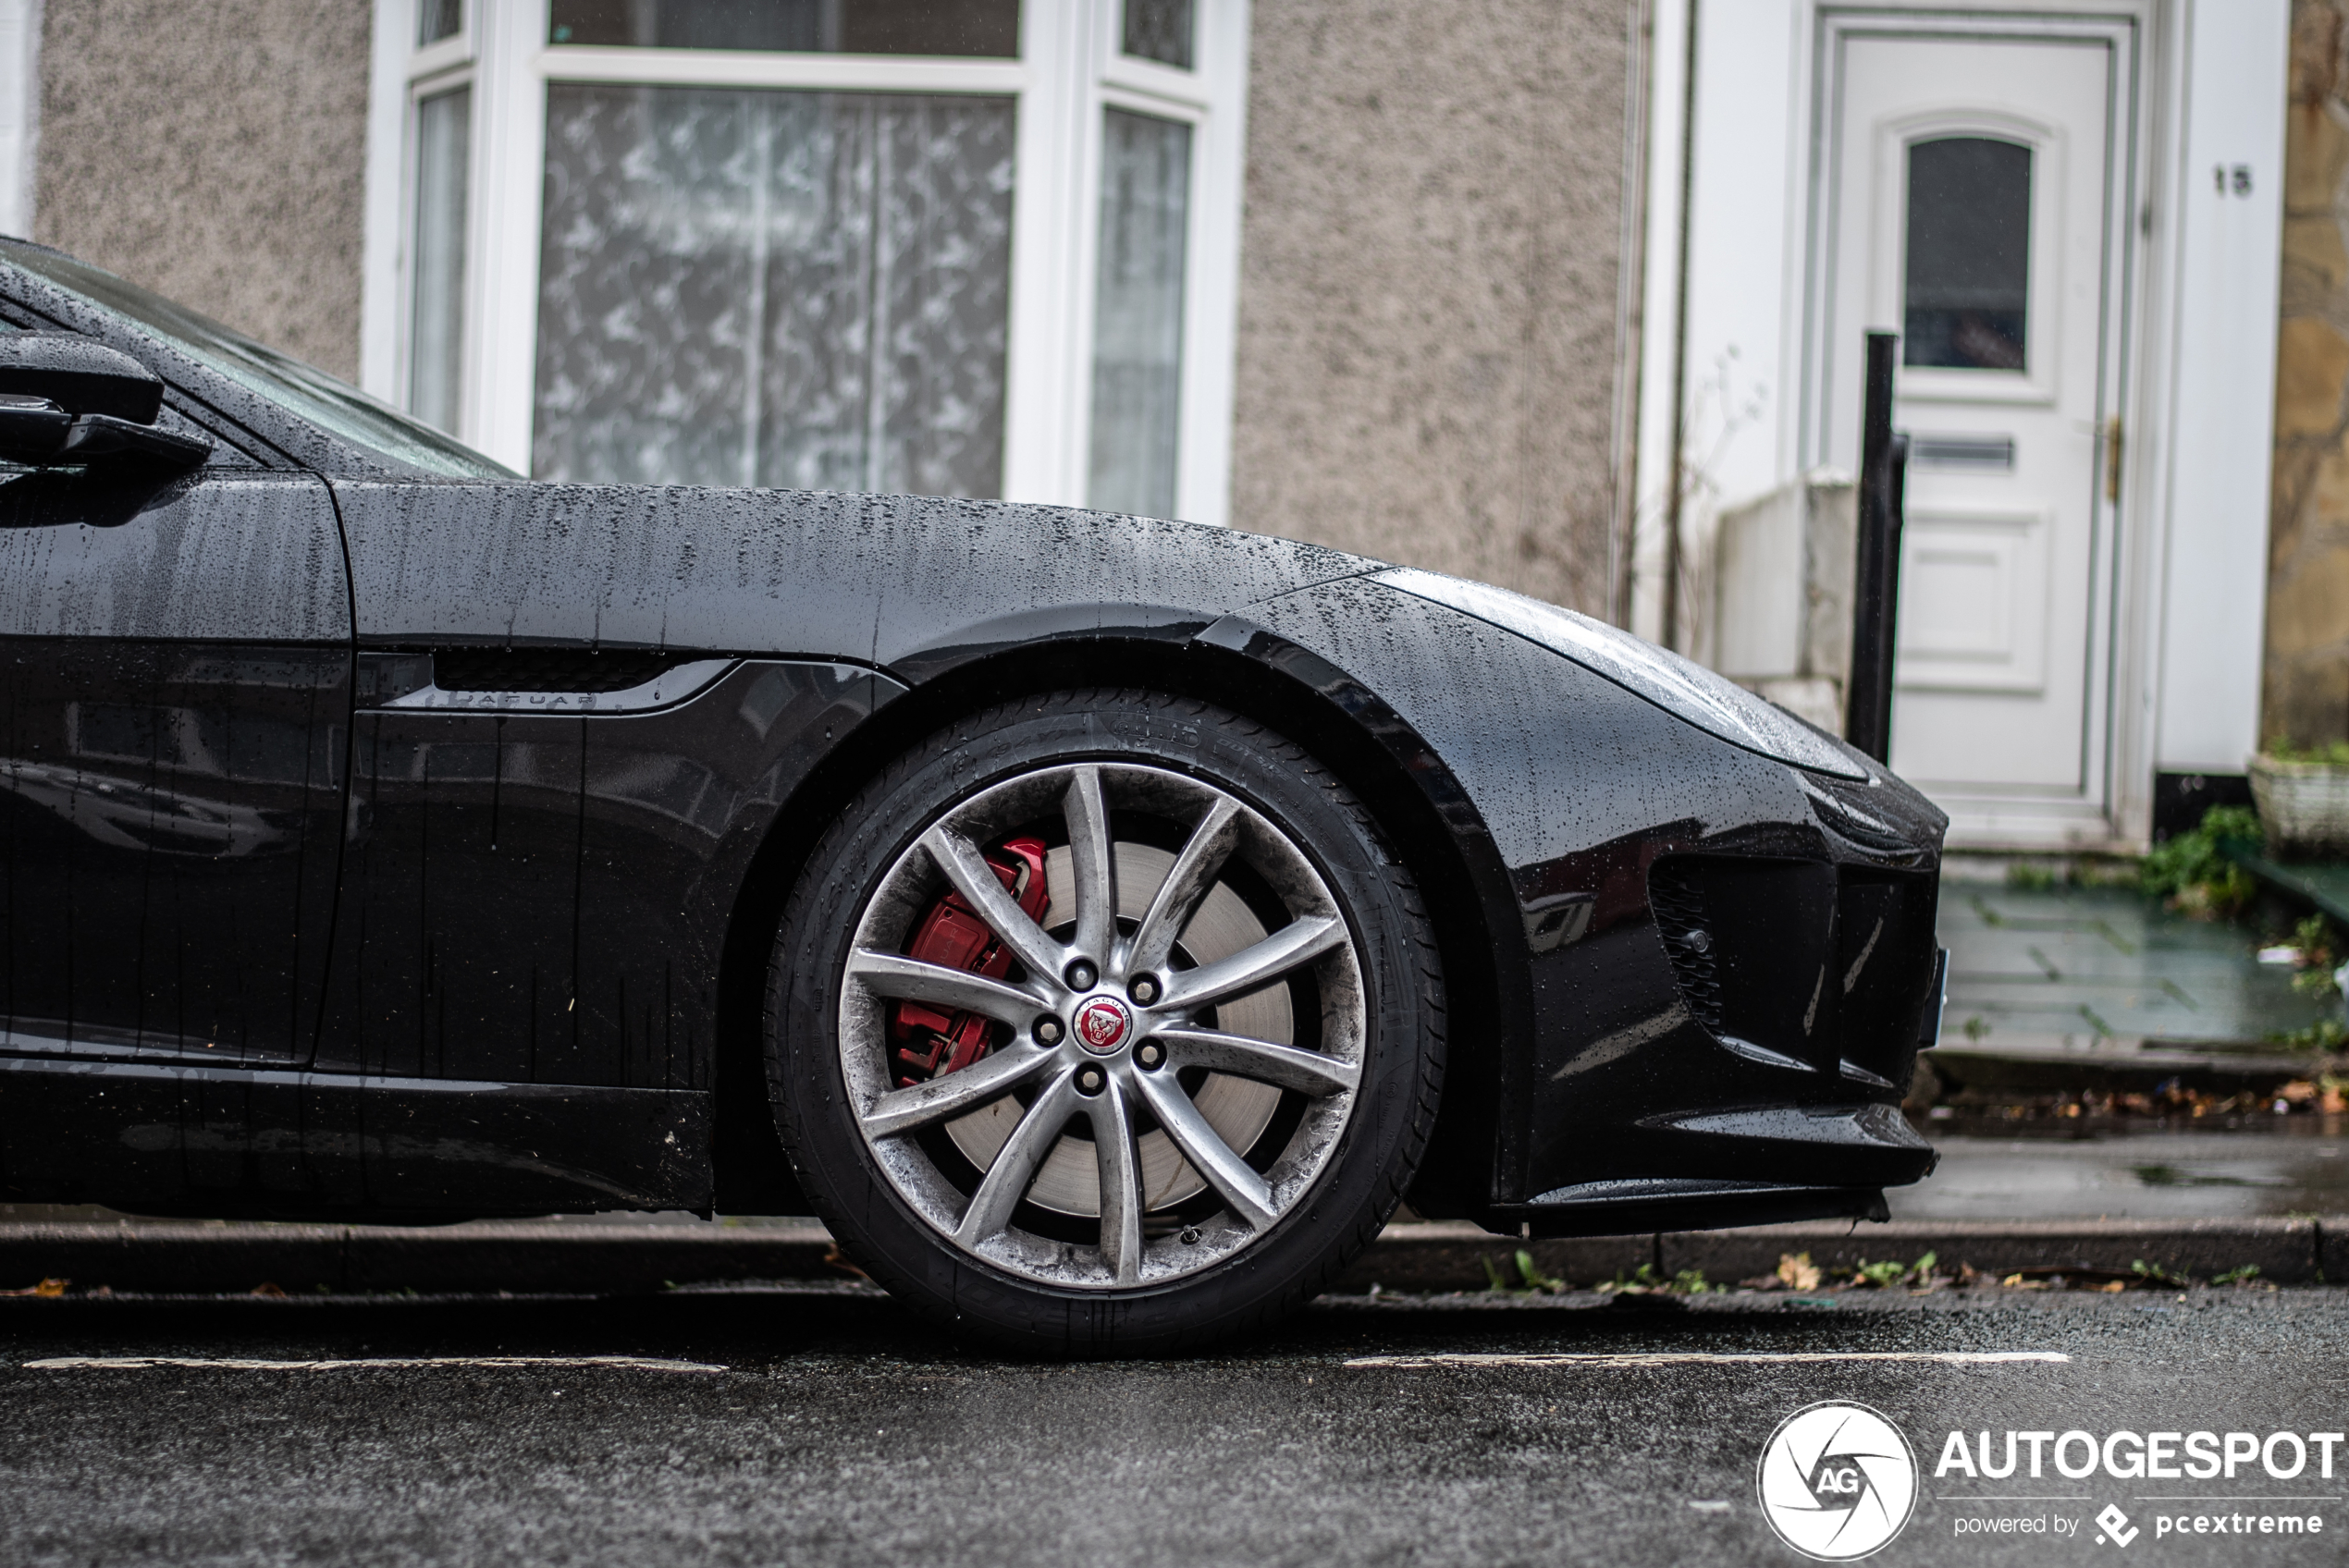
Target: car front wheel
{"x": 1105, "y": 1023}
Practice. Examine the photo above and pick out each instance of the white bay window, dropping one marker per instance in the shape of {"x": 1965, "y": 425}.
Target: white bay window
{"x": 949, "y": 247}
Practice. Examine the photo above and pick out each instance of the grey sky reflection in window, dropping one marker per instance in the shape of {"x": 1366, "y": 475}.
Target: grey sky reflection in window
{"x": 804, "y": 290}
{"x": 1137, "y": 315}
{"x": 964, "y": 28}
{"x": 436, "y": 20}
{"x": 1967, "y": 293}
{"x": 1159, "y": 30}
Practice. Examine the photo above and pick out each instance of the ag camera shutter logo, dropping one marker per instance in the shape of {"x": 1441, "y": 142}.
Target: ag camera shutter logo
{"x": 1836, "y": 1481}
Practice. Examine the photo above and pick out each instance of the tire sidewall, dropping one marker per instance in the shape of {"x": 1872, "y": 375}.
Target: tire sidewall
{"x": 1356, "y": 1187}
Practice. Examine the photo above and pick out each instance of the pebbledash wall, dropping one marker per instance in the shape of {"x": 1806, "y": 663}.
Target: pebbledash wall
{"x": 1433, "y": 335}
{"x": 1432, "y": 345}
{"x": 217, "y": 160}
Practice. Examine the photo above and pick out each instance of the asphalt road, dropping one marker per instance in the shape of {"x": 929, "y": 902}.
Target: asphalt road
{"x": 826, "y": 1426}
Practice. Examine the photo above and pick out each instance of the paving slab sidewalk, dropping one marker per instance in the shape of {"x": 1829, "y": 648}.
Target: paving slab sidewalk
{"x": 2132, "y": 1169}
{"x": 2101, "y": 988}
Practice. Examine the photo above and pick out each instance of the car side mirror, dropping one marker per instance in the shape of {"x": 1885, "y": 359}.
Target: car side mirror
{"x": 67, "y": 400}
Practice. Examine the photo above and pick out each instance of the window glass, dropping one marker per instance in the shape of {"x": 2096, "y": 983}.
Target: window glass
{"x": 988, "y": 28}
{"x": 436, "y": 264}
{"x": 436, "y": 20}
{"x": 774, "y": 288}
{"x": 313, "y": 395}
{"x": 1159, "y": 30}
{"x": 1137, "y": 331}
{"x": 1967, "y": 292}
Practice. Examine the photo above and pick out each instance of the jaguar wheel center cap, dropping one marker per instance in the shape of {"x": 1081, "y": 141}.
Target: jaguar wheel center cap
{"x": 1103, "y": 1025}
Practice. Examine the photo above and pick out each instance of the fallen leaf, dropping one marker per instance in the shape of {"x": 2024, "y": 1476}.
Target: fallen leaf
{"x": 266, "y": 1289}
{"x": 50, "y": 1287}
{"x": 1797, "y": 1272}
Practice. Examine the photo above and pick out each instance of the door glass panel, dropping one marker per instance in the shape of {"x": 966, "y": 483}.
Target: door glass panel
{"x": 437, "y": 261}
{"x": 1160, "y": 31}
{"x": 792, "y": 289}
{"x": 1966, "y": 295}
{"x": 1138, "y": 329}
{"x": 981, "y": 27}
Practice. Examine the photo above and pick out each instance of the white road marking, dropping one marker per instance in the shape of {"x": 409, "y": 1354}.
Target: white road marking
{"x": 1709, "y": 1358}
{"x": 231, "y": 1364}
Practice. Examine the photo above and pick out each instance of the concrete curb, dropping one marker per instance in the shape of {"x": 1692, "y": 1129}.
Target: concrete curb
{"x": 1452, "y": 1257}
{"x": 572, "y": 1255}
{"x": 2285, "y": 1251}
{"x": 2047, "y": 1065}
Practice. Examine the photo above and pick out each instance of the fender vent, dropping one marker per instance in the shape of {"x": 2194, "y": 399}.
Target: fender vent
{"x": 545, "y": 670}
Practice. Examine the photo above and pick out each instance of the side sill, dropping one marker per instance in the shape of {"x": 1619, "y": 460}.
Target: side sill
{"x": 229, "y": 1142}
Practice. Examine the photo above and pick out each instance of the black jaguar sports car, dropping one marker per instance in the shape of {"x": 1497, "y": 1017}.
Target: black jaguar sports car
{"x": 1102, "y": 924}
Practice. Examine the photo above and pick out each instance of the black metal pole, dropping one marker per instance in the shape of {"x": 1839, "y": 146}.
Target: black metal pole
{"x": 1867, "y": 721}
{"x": 1676, "y": 497}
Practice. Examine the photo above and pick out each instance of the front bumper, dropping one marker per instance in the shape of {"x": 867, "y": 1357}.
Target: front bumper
{"x": 1753, "y": 1023}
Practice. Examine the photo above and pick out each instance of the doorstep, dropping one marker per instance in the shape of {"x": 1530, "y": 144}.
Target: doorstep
{"x": 2322, "y": 885}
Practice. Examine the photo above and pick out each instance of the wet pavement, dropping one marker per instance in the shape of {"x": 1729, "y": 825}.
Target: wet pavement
{"x": 829, "y": 1428}
{"x": 2063, "y": 968}
{"x": 2137, "y": 1169}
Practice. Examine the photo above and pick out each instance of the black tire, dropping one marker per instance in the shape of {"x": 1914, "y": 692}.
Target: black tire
{"x": 1392, "y": 1023}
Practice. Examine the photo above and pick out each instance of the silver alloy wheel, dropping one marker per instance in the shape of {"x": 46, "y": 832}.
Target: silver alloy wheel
{"x": 1116, "y": 1061}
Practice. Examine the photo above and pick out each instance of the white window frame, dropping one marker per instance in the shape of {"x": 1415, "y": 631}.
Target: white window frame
{"x": 19, "y": 113}
{"x": 1069, "y": 72}
{"x": 445, "y": 66}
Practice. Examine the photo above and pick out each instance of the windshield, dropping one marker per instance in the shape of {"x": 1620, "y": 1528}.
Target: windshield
{"x": 335, "y": 406}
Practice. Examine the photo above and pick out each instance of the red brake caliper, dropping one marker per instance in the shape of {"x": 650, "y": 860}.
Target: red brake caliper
{"x": 952, "y": 935}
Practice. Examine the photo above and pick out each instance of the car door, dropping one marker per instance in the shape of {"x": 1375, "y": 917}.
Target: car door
{"x": 174, "y": 672}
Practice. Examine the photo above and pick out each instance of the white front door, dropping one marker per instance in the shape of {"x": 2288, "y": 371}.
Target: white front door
{"x": 1978, "y": 201}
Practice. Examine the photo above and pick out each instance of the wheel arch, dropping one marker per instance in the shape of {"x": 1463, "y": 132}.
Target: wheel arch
{"x": 1417, "y": 802}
